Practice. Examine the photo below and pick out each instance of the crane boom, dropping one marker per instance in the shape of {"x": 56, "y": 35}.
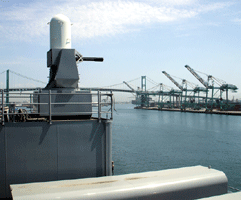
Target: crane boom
{"x": 129, "y": 86}
{"x": 175, "y": 82}
{"x": 197, "y": 76}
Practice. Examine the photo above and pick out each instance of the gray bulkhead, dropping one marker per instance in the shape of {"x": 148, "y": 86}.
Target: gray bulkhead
{"x": 39, "y": 151}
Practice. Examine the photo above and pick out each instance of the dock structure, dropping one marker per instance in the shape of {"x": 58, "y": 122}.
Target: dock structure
{"x": 207, "y": 99}
{"x": 203, "y": 111}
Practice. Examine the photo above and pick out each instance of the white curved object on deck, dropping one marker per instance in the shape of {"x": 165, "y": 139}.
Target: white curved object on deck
{"x": 183, "y": 183}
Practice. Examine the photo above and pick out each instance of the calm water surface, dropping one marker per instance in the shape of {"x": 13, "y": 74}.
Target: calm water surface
{"x": 147, "y": 140}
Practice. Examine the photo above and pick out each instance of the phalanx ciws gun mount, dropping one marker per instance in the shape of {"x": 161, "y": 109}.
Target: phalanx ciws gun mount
{"x": 61, "y": 59}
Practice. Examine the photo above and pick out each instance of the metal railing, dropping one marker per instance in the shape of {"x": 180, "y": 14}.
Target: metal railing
{"x": 11, "y": 109}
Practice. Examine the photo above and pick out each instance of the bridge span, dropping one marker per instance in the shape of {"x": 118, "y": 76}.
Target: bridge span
{"x": 165, "y": 93}
{"x": 82, "y": 88}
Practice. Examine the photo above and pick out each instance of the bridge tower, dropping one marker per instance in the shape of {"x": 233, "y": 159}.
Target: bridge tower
{"x": 143, "y": 83}
{"x": 7, "y": 87}
{"x": 144, "y": 95}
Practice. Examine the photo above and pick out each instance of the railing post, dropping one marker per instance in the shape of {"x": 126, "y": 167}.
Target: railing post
{"x": 2, "y": 107}
{"x": 99, "y": 106}
{"x": 112, "y": 106}
{"x": 50, "y": 117}
{"x": 30, "y": 102}
{"x": 108, "y": 148}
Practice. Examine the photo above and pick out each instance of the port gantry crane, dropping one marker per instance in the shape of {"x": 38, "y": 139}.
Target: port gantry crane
{"x": 175, "y": 82}
{"x": 137, "y": 94}
{"x": 195, "y": 89}
{"x": 223, "y": 86}
{"x": 205, "y": 83}
{"x": 142, "y": 95}
{"x": 178, "y": 85}
{"x": 129, "y": 86}
{"x": 171, "y": 92}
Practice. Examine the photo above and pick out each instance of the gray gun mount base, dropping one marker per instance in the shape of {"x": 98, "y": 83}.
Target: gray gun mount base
{"x": 65, "y": 103}
{"x": 63, "y": 69}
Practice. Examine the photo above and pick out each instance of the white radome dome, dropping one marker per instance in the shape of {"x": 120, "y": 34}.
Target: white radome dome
{"x": 60, "y": 32}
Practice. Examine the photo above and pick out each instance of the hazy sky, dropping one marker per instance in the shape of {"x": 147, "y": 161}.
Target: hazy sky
{"x": 135, "y": 38}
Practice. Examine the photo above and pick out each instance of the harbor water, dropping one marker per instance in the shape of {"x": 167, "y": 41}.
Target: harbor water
{"x": 148, "y": 140}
